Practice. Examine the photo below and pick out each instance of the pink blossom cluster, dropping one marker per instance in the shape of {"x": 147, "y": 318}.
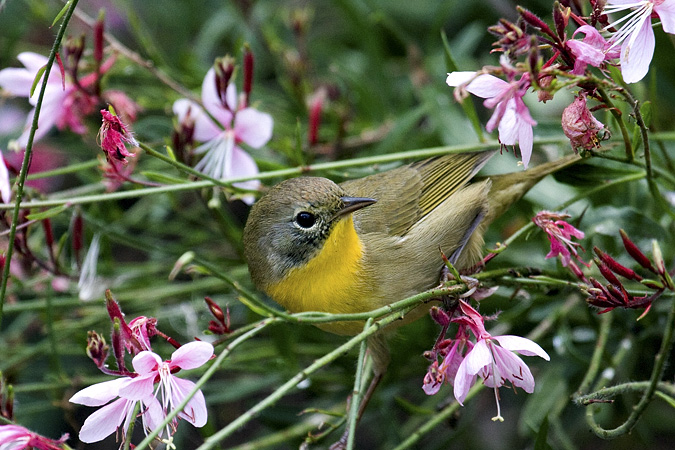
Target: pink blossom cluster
{"x": 630, "y": 46}
{"x": 490, "y": 358}
{"x": 149, "y": 391}
{"x": 224, "y": 121}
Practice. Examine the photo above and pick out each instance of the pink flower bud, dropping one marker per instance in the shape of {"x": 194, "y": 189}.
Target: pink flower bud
{"x": 579, "y": 125}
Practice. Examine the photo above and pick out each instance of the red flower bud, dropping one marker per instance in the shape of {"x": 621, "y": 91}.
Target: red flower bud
{"x": 609, "y": 276}
{"x": 616, "y": 267}
{"x": 636, "y": 253}
{"x": 98, "y": 37}
{"x": 533, "y": 20}
{"x": 439, "y": 316}
{"x": 248, "y": 72}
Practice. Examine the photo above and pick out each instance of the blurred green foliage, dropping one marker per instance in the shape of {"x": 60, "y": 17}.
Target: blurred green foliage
{"x": 382, "y": 63}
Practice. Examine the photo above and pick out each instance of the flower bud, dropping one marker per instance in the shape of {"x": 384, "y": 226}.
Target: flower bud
{"x": 561, "y": 17}
{"x": 616, "y": 267}
{"x": 532, "y": 19}
{"x": 97, "y": 349}
{"x": 99, "y": 27}
{"x": 579, "y": 125}
{"x": 636, "y": 253}
{"x": 248, "y": 72}
{"x": 439, "y": 316}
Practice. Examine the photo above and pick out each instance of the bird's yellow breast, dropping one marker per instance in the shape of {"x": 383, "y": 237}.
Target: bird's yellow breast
{"x": 333, "y": 281}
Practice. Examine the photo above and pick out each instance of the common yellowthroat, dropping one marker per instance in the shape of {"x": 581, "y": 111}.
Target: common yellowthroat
{"x": 314, "y": 245}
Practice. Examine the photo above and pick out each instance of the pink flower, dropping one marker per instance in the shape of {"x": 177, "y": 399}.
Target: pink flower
{"x": 493, "y": 360}
{"x": 223, "y": 157}
{"x": 114, "y": 136}
{"x": 636, "y": 36}
{"x": 579, "y": 125}
{"x": 149, "y": 368}
{"x": 143, "y": 328}
{"x": 453, "y": 355}
{"x": 15, "y": 437}
{"x": 560, "y": 234}
{"x": 593, "y": 49}
{"x": 511, "y": 115}
{"x": 5, "y": 186}
{"x": 64, "y": 104}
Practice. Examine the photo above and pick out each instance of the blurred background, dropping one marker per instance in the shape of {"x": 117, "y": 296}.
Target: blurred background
{"x": 379, "y": 66}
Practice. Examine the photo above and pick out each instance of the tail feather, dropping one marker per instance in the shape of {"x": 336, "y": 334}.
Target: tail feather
{"x": 509, "y": 188}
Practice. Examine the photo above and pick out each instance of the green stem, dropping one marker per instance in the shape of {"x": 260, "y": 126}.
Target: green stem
{"x": 29, "y": 149}
{"x": 356, "y": 162}
{"x": 64, "y": 170}
{"x": 588, "y": 192}
{"x": 204, "y": 378}
{"x": 630, "y": 154}
{"x": 130, "y": 430}
{"x": 648, "y": 394}
{"x": 182, "y": 167}
{"x": 439, "y": 418}
{"x": 353, "y": 418}
{"x": 596, "y": 359}
{"x": 608, "y": 393}
{"x": 246, "y": 417}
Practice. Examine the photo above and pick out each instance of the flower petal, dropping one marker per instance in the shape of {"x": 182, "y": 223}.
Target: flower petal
{"x": 195, "y": 411}
{"x": 5, "y": 187}
{"x": 105, "y": 421}
{"x": 666, "y": 12}
{"x": 205, "y": 128}
{"x": 253, "y": 127}
{"x": 487, "y": 86}
{"x": 146, "y": 362}
{"x": 192, "y": 355}
{"x": 98, "y": 394}
{"x": 637, "y": 52}
{"x": 455, "y": 79}
{"x": 521, "y": 345}
{"x": 139, "y": 388}
{"x": 212, "y": 101}
{"x": 242, "y": 165}
{"x": 509, "y": 366}
{"x": 463, "y": 382}
{"x": 32, "y": 61}
{"x": 152, "y": 414}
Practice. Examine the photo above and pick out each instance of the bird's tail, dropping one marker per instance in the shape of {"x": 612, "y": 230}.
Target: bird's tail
{"x": 510, "y": 187}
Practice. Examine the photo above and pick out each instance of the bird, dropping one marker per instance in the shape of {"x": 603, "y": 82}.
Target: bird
{"x": 314, "y": 245}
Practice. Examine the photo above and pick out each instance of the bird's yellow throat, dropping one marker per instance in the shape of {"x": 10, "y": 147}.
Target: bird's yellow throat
{"x": 333, "y": 281}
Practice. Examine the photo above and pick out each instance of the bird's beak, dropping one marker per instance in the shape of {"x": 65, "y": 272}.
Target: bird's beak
{"x": 351, "y": 204}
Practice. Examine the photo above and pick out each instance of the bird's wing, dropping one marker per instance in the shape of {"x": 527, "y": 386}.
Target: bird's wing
{"x": 407, "y": 194}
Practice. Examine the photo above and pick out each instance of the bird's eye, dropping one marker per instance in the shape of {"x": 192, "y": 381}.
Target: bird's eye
{"x": 305, "y": 219}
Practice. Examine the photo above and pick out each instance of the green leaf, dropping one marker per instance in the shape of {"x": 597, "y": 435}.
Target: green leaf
{"x": 540, "y": 443}
{"x": 646, "y": 110}
{"x": 450, "y": 63}
{"x": 38, "y": 75}
{"x": 666, "y": 398}
{"x": 253, "y": 307}
{"x": 48, "y": 213}
{"x": 162, "y": 178}
{"x": 592, "y": 172}
{"x": 62, "y": 12}
{"x": 467, "y": 103}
